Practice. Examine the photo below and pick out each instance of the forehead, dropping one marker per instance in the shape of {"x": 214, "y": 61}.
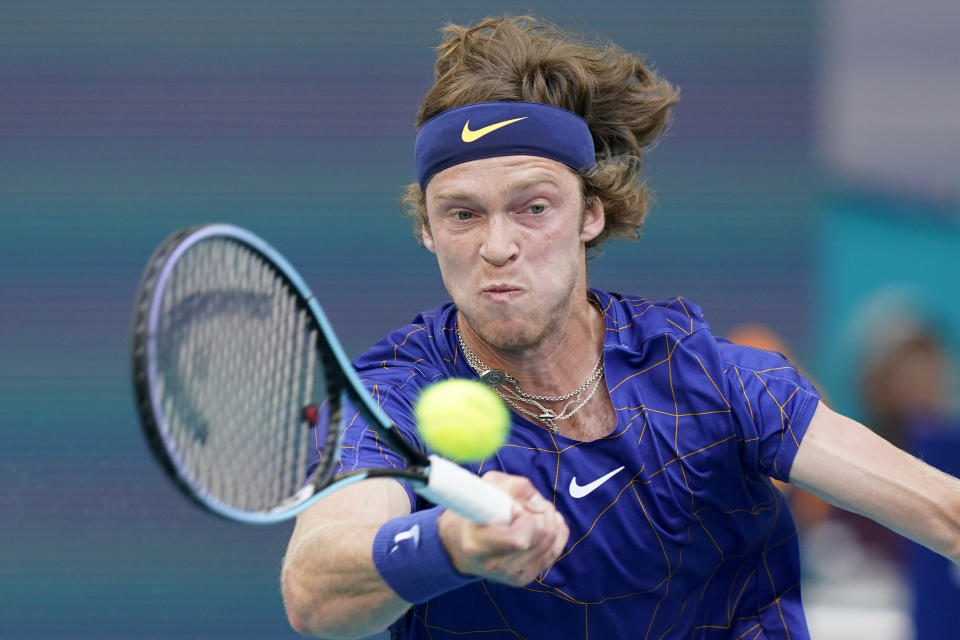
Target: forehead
{"x": 502, "y": 174}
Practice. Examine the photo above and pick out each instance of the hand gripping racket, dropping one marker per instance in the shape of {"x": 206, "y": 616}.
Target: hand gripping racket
{"x": 238, "y": 374}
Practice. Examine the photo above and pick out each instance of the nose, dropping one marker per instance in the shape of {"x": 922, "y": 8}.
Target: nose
{"x": 499, "y": 243}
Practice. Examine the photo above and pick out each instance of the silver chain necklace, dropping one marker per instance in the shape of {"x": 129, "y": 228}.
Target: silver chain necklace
{"x": 497, "y": 379}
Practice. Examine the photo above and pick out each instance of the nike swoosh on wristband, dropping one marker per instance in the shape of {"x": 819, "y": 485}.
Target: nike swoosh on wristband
{"x": 578, "y": 491}
{"x": 469, "y": 136}
{"x": 413, "y": 533}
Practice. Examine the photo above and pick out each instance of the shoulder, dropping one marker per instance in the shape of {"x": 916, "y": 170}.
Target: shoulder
{"x": 754, "y": 359}
{"x": 634, "y": 320}
{"x": 637, "y": 322}
{"x": 419, "y": 350}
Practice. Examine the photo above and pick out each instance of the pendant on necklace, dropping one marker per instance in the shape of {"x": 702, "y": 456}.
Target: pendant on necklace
{"x": 493, "y": 377}
{"x": 548, "y": 417}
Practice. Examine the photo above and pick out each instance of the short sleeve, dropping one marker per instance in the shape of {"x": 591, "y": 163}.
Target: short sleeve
{"x": 772, "y": 403}
{"x": 361, "y": 446}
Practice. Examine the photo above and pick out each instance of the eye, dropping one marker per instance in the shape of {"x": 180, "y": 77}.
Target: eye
{"x": 537, "y": 208}
{"x": 462, "y": 215}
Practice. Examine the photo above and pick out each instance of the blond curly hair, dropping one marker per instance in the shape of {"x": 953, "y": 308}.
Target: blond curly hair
{"x": 626, "y": 104}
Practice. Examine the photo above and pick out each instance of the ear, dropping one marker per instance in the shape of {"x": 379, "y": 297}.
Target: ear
{"x": 594, "y": 220}
{"x": 427, "y": 238}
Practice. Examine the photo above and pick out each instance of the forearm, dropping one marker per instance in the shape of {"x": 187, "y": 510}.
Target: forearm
{"x": 944, "y": 534}
{"x": 848, "y": 465}
{"x": 330, "y": 585}
{"x": 333, "y": 586}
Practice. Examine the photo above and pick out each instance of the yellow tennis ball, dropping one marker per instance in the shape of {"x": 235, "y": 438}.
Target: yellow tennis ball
{"x": 462, "y": 419}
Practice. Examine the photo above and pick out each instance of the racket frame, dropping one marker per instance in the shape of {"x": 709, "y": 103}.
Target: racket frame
{"x": 339, "y": 371}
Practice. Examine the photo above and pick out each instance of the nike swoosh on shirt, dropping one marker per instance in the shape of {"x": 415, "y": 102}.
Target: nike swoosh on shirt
{"x": 469, "y": 136}
{"x": 578, "y": 491}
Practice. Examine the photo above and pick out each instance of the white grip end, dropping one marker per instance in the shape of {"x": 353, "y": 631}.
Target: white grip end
{"x": 459, "y": 490}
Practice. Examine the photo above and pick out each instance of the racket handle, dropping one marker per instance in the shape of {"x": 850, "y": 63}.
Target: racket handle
{"x": 461, "y": 491}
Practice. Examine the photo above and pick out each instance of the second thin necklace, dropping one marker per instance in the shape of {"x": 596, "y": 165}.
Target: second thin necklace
{"x": 509, "y": 389}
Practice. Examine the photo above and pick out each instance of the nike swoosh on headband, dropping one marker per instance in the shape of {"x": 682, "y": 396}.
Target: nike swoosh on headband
{"x": 469, "y": 136}
{"x": 550, "y": 132}
{"x": 577, "y": 491}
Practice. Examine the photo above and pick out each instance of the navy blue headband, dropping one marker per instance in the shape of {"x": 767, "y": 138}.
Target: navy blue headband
{"x": 489, "y": 129}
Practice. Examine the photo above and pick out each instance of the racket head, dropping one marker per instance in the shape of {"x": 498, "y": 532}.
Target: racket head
{"x": 230, "y": 353}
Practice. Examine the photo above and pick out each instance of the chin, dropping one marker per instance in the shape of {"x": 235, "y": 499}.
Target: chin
{"x": 509, "y": 342}
{"x": 510, "y": 336}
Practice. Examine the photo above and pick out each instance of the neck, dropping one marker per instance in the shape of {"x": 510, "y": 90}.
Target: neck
{"x": 556, "y": 365}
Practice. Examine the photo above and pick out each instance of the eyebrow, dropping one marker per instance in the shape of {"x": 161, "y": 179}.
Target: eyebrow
{"x": 452, "y": 196}
{"x": 513, "y": 187}
{"x": 532, "y": 182}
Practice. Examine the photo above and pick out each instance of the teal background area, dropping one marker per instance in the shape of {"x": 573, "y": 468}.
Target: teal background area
{"x": 882, "y": 259}
{"x": 123, "y": 121}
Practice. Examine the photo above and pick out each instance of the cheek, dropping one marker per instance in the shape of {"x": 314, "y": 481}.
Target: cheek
{"x": 559, "y": 249}
{"x": 453, "y": 260}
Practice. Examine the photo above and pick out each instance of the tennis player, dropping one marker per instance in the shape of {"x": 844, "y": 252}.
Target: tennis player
{"x": 642, "y": 446}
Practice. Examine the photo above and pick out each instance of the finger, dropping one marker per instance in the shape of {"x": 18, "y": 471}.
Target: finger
{"x": 500, "y": 540}
{"x": 547, "y": 543}
{"x": 551, "y": 539}
{"x": 524, "y": 568}
{"x": 540, "y": 530}
{"x": 538, "y": 504}
{"x": 546, "y": 535}
{"x": 560, "y": 541}
{"x": 543, "y": 556}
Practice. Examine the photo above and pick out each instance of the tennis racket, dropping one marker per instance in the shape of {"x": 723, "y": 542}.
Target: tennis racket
{"x": 238, "y": 374}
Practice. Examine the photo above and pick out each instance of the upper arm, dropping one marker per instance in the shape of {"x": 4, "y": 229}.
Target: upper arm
{"x": 851, "y": 467}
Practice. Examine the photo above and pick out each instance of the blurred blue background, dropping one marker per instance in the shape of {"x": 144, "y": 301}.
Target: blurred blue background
{"x": 777, "y": 202}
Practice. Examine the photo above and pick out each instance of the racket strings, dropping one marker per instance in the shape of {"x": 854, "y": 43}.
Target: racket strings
{"x": 237, "y": 358}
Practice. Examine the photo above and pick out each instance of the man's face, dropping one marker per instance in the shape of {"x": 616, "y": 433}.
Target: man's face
{"x": 509, "y": 235}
